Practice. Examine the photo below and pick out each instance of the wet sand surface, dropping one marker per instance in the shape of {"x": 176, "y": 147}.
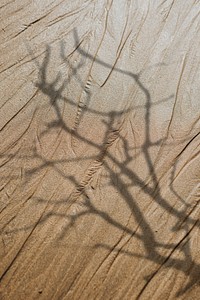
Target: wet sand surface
{"x": 99, "y": 152}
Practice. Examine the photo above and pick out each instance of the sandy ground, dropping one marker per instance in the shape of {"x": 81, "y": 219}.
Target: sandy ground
{"x": 99, "y": 152}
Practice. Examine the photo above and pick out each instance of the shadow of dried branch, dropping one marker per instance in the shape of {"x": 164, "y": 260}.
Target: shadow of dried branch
{"x": 113, "y": 121}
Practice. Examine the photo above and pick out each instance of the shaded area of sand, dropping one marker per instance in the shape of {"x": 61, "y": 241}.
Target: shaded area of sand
{"x": 99, "y": 149}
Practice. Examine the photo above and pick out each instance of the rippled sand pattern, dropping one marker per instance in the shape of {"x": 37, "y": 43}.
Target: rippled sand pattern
{"x": 99, "y": 152}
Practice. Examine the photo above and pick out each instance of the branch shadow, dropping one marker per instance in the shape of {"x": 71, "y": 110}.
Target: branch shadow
{"x": 151, "y": 188}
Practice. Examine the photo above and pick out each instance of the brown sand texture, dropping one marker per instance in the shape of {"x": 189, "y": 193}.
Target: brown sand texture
{"x": 99, "y": 151}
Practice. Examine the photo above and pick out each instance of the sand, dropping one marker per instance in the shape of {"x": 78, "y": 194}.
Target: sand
{"x": 99, "y": 152}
